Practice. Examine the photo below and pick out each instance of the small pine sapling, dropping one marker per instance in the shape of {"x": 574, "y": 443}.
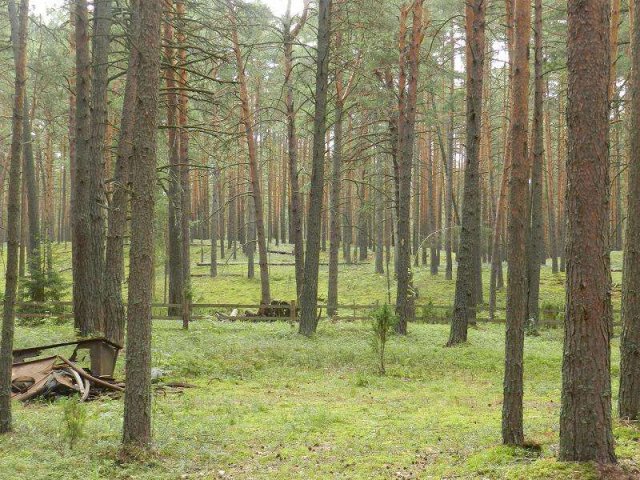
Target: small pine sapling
{"x": 383, "y": 322}
{"x": 74, "y": 418}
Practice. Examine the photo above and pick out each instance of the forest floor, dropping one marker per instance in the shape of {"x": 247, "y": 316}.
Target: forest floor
{"x": 357, "y": 282}
{"x": 270, "y": 404}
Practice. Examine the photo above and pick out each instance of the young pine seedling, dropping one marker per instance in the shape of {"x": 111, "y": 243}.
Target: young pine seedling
{"x": 383, "y": 322}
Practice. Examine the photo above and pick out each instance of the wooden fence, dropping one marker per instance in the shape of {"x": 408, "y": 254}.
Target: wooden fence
{"x": 426, "y": 313}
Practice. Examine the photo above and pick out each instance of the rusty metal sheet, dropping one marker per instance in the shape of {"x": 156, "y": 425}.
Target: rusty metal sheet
{"x": 38, "y": 371}
{"x": 56, "y": 375}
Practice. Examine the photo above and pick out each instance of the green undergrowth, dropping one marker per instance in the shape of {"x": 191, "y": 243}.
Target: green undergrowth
{"x": 357, "y": 284}
{"x": 270, "y": 404}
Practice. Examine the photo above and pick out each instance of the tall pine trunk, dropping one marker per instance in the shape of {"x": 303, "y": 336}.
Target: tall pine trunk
{"x": 254, "y": 175}
{"x": 535, "y": 252}
{"x": 585, "y": 415}
{"x": 464, "y": 309}
{"x": 114, "y": 312}
{"x": 295, "y": 219}
{"x": 101, "y": 41}
{"x": 512, "y": 427}
{"x": 32, "y": 207}
{"x": 174, "y": 250}
{"x": 407, "y": 102}
{"x": 88, "y": 222}
{"x": 334, "y": 210}
{"x": 19, "y": 24}
{"x": 309, "y": 295}
{"x": 629, "y": 397}
{"x": 137, "y": 399}
{"x": 185, "y": 184}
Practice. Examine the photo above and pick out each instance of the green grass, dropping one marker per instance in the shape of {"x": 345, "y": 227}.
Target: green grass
{"x": 357, "y": 283}
{"x": 270, "y": 404}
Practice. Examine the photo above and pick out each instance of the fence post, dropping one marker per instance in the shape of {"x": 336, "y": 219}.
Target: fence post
{"x": 292, "y": 313}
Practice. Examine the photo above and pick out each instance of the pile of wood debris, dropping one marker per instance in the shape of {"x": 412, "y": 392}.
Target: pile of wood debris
{"x": 277, "y": 309}
{"x": 56, "y": 375}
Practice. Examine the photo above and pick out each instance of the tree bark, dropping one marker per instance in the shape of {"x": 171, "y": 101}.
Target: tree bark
{"x": 185, "y": 184}
{"x": 585, "y": 415}
{"x": 101, "y": 42}
{"x": 309, "y": 295}
{"x": 137, "y": 398}
{"x": 114, "y": 312}
{"x": 408, "y": 95}
{"x": 34, "y": 255}
{"x": 535, "y": 253}
{"x": 247, "y": 121}
{"x": 464, "y": 309}
{"x": 629, "y": 397}
{"x": 175, "y": 263}
{"x": 290, "y": 35}
{"x": 87, "y": 251}
{"x": 19, "y": 33}
{"x": 512, "y": 428}
{"x": 334, "y": 207}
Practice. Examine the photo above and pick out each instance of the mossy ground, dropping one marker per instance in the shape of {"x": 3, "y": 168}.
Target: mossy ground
{"x": 270, "y": 404}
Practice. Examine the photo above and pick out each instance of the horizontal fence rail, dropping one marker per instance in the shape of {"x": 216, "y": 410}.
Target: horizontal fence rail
{"x": 427, "y": 313}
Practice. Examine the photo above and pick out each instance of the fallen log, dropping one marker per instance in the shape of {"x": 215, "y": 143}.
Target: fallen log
{"x": 276, "y": 264}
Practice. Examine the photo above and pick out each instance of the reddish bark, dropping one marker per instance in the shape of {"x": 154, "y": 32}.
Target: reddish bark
{"x": 585, "y": 416}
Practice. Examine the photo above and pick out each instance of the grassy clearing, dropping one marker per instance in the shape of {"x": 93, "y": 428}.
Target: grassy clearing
{"x": 270, "y": 404}
{"x": 357, "y": 283}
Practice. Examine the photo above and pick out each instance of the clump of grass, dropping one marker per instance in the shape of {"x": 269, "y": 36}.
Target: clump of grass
{"x": 362, "y": 380}
{"x": 432, "y": 313}
{"x": 383, "y": 322}
{"x": 531, "y": 328}
{"x": 550, "y": 312}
